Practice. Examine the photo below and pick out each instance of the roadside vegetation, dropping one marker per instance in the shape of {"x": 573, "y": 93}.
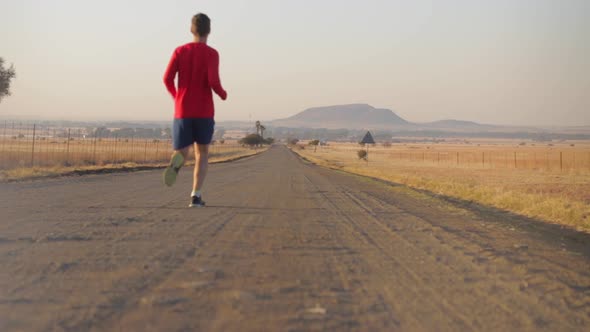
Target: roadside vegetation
{"x": 38, "y": 150}
{"x": 56, "y": 157}
{"x": 78, "y": 165}
{"x": 553, "y": 195}
{"x": 6, "y": 76}
{"x": 255, "y": 140}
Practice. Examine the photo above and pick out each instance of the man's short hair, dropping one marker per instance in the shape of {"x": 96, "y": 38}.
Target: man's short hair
{"x": 201, "y": 24}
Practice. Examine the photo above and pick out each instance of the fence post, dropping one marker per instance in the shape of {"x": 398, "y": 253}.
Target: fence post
{"x": 68, "y": 147}
{"x": 157, "y": 146}
{"x": 132, "y": 157}
{"x": 115, "y": 150}
{"x": 515, "y": 159}
{"x": 33, "y": 148}
{"x": 483, "y": 159}
{"x": 94, "y": 147}
{"x": 560, "y": 160}
{"x": 457, "y": 158}
{"x": 145, "y": 151}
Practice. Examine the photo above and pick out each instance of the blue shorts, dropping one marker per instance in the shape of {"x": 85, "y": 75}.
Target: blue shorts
{"x": 185, "y": 132}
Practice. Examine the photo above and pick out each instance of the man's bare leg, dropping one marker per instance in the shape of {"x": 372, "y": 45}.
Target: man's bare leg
{"x": 201, "y": 166}
{"x": 183, "y": 151}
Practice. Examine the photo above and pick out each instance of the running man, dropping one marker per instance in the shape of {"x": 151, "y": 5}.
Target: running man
{"x": 197, "y": 66}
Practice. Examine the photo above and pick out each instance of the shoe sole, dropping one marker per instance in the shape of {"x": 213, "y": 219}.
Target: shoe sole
{"x": 169, "y": 173}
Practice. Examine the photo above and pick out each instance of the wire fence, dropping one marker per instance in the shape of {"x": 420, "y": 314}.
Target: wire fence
{"x": 533, "y": 158}
{"x": 32, "y": 145}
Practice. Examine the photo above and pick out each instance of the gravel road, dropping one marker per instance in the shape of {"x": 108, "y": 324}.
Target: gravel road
{"x": 282, "y": 246}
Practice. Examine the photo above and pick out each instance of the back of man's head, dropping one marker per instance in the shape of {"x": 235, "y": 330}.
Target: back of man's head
{"x": 201, "y": 25}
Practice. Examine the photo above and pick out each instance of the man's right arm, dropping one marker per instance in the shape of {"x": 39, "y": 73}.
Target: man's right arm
{"x": 213, "y": 76}
{"x": 170, "y": 74}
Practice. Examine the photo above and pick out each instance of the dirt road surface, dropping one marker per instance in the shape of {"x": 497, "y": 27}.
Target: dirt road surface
{"x": 283, "y": 246}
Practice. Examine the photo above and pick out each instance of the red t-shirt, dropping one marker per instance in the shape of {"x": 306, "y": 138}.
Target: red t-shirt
{"x": 197, "y": 66}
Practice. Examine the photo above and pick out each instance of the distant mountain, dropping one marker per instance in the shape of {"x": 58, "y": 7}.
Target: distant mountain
{"x": 457, "y": 125}
{"x": 364, "y": 116}
{"x": 356, "y": 116}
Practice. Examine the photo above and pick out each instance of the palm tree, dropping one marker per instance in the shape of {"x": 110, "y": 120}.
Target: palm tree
{"x": 262, "y": 129}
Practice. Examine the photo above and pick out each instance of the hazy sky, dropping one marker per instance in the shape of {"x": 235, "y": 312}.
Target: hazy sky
{"x": 524, "y": 62}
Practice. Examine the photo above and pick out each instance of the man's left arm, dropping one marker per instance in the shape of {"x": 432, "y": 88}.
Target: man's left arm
{"x": 170, "y": 74}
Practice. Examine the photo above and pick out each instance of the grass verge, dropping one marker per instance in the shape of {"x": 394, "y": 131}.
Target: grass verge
{"x": 519, "y": 193}
{"x": 34, "y": 173}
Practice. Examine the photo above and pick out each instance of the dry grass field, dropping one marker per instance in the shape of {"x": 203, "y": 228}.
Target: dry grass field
{"x": 551, "y": 183}
{"x": 19, "y": 158}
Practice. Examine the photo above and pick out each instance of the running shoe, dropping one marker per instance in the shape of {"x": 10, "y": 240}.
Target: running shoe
{"x": 197, "y": 201}
{"x": 172, "y": 170}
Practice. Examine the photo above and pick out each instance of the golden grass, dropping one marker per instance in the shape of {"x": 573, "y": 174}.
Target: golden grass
{"x": 553, "y": 196}
{"x": 24, "y": 173}
{"x": 53, "y": 152}
{"x": 486, "y": 154}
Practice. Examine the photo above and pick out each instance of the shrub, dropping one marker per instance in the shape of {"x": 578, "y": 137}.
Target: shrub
{"x": 362, "y": 154}
{"x": 252, "y": 139}
{"x": 386, "y": 144}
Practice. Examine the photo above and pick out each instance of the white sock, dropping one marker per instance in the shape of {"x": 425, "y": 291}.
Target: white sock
{"x": 196, "y": 193}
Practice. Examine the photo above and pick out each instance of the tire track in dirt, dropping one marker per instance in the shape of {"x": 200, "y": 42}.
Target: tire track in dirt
{"x": 519, "y": 255}
{"x": 442, "y": 308}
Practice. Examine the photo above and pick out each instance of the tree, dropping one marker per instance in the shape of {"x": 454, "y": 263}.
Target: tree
{"x": 315, "y": 144}
{"x": 257, "y": 127}
{"x": 252, "y": 140}
{"x": 102, "y": 132}
{"x": 6, "y": 75}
